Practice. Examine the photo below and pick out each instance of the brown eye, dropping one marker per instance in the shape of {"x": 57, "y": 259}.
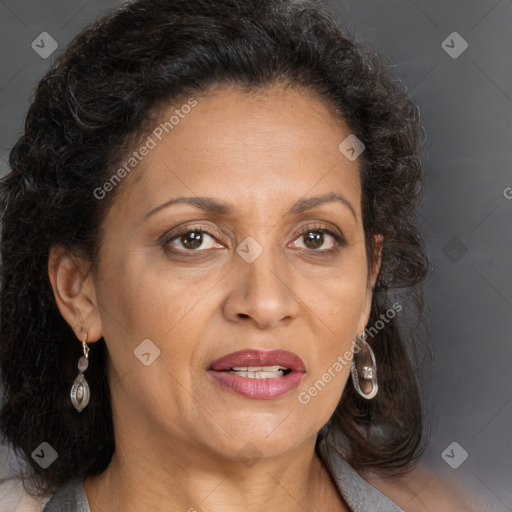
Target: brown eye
{"x": 193, "y": 240}
{"x": 314, "y": 238}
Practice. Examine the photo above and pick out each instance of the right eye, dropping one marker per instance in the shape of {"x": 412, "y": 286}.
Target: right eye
{"x": 191, "y": 239}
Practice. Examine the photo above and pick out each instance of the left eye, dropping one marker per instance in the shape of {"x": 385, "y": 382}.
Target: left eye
{"x": 314, "y": 239}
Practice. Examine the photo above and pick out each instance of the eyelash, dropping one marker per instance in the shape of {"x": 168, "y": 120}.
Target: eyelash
{"x": 340, "y": 241}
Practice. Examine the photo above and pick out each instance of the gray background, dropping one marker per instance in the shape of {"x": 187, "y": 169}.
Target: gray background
{"x": 466, "y": 108}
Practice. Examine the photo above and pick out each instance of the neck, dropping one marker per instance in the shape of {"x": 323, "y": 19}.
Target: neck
{"x": 145, "y": 476}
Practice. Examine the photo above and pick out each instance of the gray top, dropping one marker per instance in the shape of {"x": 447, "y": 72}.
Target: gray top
{"x": 359, "y": 495}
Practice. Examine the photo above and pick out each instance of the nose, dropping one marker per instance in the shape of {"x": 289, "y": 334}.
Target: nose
{"x": 262, "y": 292}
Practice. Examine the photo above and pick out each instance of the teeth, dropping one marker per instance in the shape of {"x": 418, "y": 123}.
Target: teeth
{"x": 258, "y": 368}
{"x": 259, "y": 374}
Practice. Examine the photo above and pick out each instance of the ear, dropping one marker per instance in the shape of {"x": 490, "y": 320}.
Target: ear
{"x": 367, "y": 303}
{"x": 74, "y": 291}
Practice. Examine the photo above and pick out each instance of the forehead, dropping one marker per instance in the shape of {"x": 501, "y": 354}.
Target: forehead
{"x": 266, "y": 147}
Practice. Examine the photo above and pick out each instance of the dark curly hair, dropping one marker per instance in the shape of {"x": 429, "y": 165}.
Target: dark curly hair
{"x": 98, "y": 99}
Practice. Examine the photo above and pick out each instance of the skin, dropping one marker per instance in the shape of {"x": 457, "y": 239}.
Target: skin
{"x": 178, "y": 434}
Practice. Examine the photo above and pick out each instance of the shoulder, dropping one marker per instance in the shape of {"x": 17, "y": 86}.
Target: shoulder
{"x": 422, "y": 490}
{"x": 15, "y": 498}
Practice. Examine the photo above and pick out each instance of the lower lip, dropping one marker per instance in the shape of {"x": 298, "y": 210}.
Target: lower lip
{"x": 262, "y": 389}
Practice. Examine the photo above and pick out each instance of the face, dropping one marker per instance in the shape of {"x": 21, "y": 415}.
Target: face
{"x": 257, "y": 266}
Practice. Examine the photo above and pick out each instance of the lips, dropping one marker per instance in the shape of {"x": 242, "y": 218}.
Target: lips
{"x": 257, "y": 375}
{"x": 259, "y": 358}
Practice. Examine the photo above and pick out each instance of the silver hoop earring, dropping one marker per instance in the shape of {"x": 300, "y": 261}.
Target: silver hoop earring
{"x": 80, "y": 392}
{"x": 364, "y": 369}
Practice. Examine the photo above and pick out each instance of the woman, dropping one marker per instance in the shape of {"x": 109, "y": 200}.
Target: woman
{"x": 209, "y": 248}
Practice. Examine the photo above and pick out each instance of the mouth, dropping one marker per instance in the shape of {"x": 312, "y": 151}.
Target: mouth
{"x": 258, "y": 374}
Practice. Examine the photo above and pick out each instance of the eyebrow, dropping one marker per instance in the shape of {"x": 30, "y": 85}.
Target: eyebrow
{"x": 211, "y": 205}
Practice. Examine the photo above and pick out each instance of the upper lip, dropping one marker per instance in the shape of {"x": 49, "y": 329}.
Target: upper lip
{"x": 259, "y": 358}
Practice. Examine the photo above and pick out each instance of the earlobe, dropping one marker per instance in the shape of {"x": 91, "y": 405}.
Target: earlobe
{"x": 74, "y": 292}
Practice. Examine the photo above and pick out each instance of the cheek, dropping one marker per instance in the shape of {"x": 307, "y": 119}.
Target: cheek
{"x": 132, "y": 297}
{"x": 341, "y": 299}
{"x": 144, "y": 305}
{"x": 338, "y": 304}
{"x": 340, "y": 310}
{"x": 139, "y": 302}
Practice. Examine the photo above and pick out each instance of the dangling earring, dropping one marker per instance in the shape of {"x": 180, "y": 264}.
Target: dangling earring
{"x": 364, "y": 369}
{"x": 80, "y": 392}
